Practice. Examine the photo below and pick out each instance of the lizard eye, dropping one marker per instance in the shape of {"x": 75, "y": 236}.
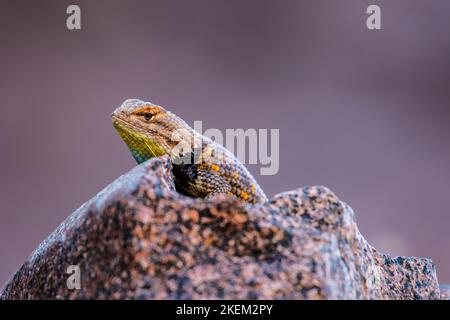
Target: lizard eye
{"x": 148, "y": 116}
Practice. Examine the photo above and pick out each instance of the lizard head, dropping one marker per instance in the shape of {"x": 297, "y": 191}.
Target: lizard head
{"x": 146, "y": 128}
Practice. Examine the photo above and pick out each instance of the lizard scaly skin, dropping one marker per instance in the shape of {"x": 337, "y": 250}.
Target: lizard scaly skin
{"x": 201, "y": 167}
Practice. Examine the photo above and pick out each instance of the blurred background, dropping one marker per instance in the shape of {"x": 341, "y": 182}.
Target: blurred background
{"x": 366, "y": 113}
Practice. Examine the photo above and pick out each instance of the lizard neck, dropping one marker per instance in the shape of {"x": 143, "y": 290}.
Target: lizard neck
{"x": 187, "y": 144}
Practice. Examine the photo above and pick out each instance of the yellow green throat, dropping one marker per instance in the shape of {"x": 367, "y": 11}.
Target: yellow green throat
{"x": 141, "y": 146}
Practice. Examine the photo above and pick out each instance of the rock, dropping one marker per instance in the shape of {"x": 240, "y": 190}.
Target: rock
{"x": 140, "y": 239}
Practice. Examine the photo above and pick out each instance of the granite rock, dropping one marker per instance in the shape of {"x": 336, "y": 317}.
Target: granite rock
{"x": 140, "y": 239}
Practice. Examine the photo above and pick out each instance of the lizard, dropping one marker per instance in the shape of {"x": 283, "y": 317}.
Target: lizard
{"x": 200, "y": 167}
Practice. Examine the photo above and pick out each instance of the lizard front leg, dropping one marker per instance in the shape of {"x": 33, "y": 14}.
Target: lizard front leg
{"x": 198, "y": 180}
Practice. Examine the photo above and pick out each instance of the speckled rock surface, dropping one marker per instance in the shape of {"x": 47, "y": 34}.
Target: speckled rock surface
{"x": 140, "y": 239}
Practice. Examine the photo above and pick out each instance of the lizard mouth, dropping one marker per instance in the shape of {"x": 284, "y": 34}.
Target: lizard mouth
{"x": 120, "y": 123}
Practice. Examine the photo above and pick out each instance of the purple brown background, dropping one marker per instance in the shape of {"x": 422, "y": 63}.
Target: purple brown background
{"x": 366, "y": 113}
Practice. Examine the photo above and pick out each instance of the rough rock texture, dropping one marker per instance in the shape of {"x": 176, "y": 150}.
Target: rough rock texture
{"x": 140, "y": 239}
